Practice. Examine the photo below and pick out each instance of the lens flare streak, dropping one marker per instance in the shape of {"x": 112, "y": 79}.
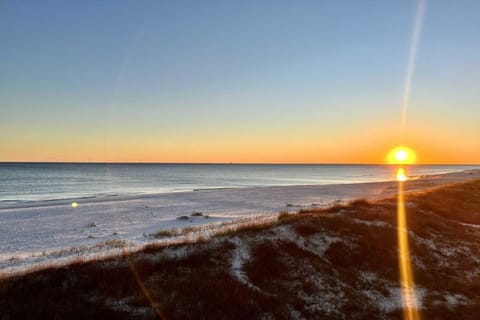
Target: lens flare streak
{"x": 407, "y": 283}
{"x": 411, "y": 62}
{"x": 143, "y": 288}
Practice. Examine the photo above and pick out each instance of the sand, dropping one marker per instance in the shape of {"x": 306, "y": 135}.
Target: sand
{"x": 42, "y": 233}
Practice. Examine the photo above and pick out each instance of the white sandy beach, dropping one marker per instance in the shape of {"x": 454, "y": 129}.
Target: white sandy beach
{"x": 41, "y": 233}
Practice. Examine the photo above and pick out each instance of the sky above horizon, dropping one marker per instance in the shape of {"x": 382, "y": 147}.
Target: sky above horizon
{"x": 237, "y": 81}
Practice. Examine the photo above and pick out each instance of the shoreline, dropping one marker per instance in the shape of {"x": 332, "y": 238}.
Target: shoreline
{"x": 264, "y": 180}
{"x": 105, "y": 198}
{"x": 52, "y": 233}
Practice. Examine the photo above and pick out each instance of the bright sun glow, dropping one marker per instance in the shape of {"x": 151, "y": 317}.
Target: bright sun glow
{"x": 401, "y": 155}
{"x": 401, "y": 175}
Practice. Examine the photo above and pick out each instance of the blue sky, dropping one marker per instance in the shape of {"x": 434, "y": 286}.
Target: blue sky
{"x": 187, "y": 72}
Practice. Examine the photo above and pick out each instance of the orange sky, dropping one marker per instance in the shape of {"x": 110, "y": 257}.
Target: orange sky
{"x": 362, "y": 144}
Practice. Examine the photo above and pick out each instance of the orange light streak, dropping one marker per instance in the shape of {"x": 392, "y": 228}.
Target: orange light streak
{"x": 407, "y": 283}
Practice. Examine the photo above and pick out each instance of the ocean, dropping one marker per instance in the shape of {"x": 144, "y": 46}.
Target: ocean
{"x": 48, "y": 181}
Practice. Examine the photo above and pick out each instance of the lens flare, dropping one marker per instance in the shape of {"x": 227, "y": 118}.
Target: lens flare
{"x": 405, "y": 156}
{"x": 407, "y": 283}
{"x": 421, "y": 7}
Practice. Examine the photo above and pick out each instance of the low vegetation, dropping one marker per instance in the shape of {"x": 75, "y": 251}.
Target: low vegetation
{"x": 320, "y": 263}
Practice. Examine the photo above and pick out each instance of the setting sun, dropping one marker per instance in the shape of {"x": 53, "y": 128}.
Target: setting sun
{"x": 401, "y": 155}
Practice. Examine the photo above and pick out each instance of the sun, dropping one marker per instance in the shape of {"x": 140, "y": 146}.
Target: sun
{"x": 401, "y": 155}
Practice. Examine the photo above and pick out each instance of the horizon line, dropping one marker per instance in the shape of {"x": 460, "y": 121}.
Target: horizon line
{"x": 235, "y": 163}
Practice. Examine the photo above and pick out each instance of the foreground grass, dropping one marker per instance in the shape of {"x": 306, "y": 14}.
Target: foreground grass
{"x": 333, "y": 263}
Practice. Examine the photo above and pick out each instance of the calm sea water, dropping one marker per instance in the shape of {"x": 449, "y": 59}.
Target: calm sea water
{"x": 45, "y": 181}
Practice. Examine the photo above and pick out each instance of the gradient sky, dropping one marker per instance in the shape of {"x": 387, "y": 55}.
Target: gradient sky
{"x": 236, "y": 81}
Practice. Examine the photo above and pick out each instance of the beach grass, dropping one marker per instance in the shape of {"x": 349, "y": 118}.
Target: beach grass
{"x": 316, "y": 263}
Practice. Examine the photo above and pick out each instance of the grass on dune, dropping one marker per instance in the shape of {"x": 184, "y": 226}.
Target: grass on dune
{"x": 195, "y": 280}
